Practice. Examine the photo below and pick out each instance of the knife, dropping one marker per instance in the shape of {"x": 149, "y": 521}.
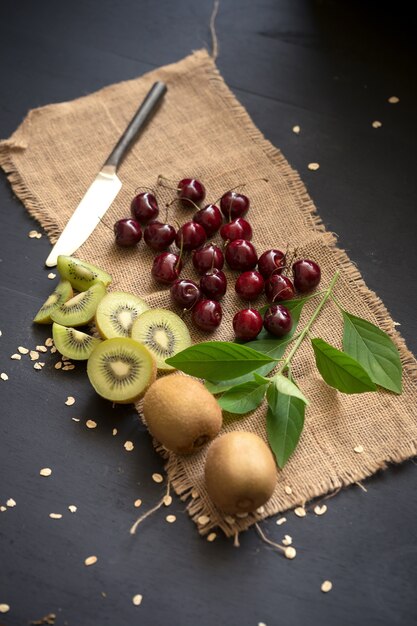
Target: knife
{"x": 101, "y": 193}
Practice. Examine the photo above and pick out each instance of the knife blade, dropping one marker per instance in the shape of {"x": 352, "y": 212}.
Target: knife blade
{"x": 104, "y": 189}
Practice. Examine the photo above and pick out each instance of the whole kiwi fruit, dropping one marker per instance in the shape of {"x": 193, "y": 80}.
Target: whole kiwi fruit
{"x": 240, "y": 472}
{"x": 181, "y": 414}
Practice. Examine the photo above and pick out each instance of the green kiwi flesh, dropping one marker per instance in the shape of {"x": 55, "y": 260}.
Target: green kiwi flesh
{"x": 121, "y": 369}
{"x": 163, "y": 333}
{"x": 82, "y": 275}
{"x": 61, "y": 294}
{"x": 81, "y": 308}
{"x": 116, "y": 313}
{"x": 73, "y": 343}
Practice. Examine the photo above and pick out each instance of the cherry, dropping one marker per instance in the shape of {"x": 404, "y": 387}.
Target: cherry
{"x": 277, "y": 320}
{"x": 234, "y": 205}
{"x": 249, "y": 285}
{"x": 213, "y": 284}
{"x": 191, "y": 235}
{"x": 144, "y": 207}
{"x": 279, "y": 287}
{"x": 236, "y": 229}
{"x": 210, "y": 218}
{"x": 166, "y": 267}
{"x": 159, "y": 236}
{"x": 190, "y": 192}
{"x": 207, "y": 314}
{"x": 247, "y": 324}
{"x": 271, "y": 261}
{"x": 207, "y": 258}
{"x": 306, "y": 274}
{"x": 128, "y": 232}
{"x": 241, "y": 255}
{"x": 185, "y": 293}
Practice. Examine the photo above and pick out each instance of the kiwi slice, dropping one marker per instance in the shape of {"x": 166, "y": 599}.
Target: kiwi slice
{"x": 81, "y": 308}
{"x": 116, "y": 313}
{"x": 62, "y": 293}
{"x": 121, "y": 369}
{"x": 163, "y": 333}
{"x": 73, "y": 343}
{"x": 82, "y": 275}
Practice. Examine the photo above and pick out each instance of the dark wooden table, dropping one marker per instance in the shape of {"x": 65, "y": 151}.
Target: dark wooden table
{"x": 329, "y": 67}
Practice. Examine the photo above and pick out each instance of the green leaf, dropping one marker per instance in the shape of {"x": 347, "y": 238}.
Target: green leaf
{"x": 374, "y": 350}
{"x": 286, "y": 386}
{"x": 284, "y": 423}
{"x": 295, "y": 307}
{"x": 219, "y": 360}
{"x": 339, "y": 370}
{"x": 243, "y": 398}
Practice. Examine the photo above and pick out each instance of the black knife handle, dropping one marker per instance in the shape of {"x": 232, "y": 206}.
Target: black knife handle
{"x": 136, "y": 124}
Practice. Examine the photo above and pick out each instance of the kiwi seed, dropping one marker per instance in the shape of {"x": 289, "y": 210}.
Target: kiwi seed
{"x": 81, "y": 308}
{"x": 116, "y": 313}
{"x": 73, "y": 343}
{"x": 82, "y": 275}
{"x": 61, "y": 294}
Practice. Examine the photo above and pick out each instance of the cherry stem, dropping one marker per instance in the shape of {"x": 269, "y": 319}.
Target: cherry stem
{"x": 104, "y": 223}
{"x": 163, "y": 178}
{"x": 241, "y": 185}
{"x": 152, "y": 510}
{"x": 143, "y": 187}
{"x": 181, "y": 251}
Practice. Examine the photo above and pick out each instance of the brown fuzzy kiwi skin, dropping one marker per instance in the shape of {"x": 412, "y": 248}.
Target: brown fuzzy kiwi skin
{"x": 181, "y": 414}
{"x": 240, "y": 472}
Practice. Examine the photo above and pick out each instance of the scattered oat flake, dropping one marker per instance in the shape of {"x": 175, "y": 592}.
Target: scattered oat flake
{"x": 32, "y": 234}
{"x": 358, "y": 449}
{"x": 326, "y": 586}
{"x": 290, "y": 553}
{"x": 203, "y": 520}
{"x": 281, "y": 520}
{"x": 49, "y": 342}
{"x": 167, "y": 500}
{"x": 91, "y": 424}
{"x": 128, "y": 445}
{"x": 229, "y": 519}
{"x": 138, "y": 502}
{"x": 16, "y": 357}
{"x": 38, "y": 235}
{"x": 114, "y": 431}
{"x": 157, "y": 478}
{"x": 45, "y": 471}
{"x": 320, "y": 510}
{"x": 58, "y": 365}
{"x": 66, "y": 368}
{"x": 287, "y": 541}
{"x": 70, "y": 401}
{"x": 260, "y": 510}
{"x": 137, "y": 599}
{"x": 22, "y": 350}
{"x": 296, "y": 129}
{"x": 393, "y": 99}
{"x": 313, "y": 166}
{"x": 72, "y": 508}
{"x": 53, "y": 350}
{"x": 3, "y": 508}
{"x": 261, "y": 624}
{"x": 194, "y": 493}
{"x": 288, "y": 489}
{"x": 41, "y": 349}
{"x": 34, "y": 355}
{"x": 4, "y": 608}
{"x": 376, "y": 124}
{"x": 75, "y": 419}
{"x": 300, "y": 511}
{"x": 211, "y": 537}
{"x": 90, "y": 560}
{"x": 170, "y": 519}
{"x": 1, "y": 333}
{"x": 55, "y": 515}
{"x": 37, "y": 366}
{"x": 4, "y": 376}
{"x": 51, "y": 275}
{"x": 10, "y": 502}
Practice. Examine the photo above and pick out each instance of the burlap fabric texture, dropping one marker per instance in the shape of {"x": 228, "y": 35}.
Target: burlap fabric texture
{"x": 202, "y": 131}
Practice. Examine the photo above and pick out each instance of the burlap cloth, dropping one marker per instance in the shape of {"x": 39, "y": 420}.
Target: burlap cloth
{"x": 202, "y": 131}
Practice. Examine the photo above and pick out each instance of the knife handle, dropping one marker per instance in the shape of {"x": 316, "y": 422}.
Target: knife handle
{"x": 136, "y": 124}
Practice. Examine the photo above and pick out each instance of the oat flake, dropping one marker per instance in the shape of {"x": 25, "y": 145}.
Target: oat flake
{"x": 260, "y": 510}
{"x": 3, "y": 508}
{"x": 137, "y": 503}
{"x": 4, "y": 376}
{"x": 32, "y": 234}
{"x": 261, "y": 624}
{"x": 128, "y": 445}
{"x": 4, "y": 608}
{"x": 376, "y": 124}
{"x": 157, "y": 478}
{"x": 41, "y": 349}
{"x": 320, "y": 510}
{"x": 22, "y": 350}
{"x": 37, "y": 366}
{"x": 45, "y": 471}
{"x": 288, "y": 490}
{"x": 203, "y": 520}
{"x": 211, "y": 537}
{"x": 170, "y": 519}
{"x": 34, "y": 355}
{"x": 287, "y": 541}
{"x": 229, "y": 519}
{"x": 393, "y": 99}
{"x": 70, "y": 401}
{"x": 296, "y": 129}
{"x": 66, "y": 368}
{"x": 75, "y": 419}
{"x": 167, "y": 500}
{"x": 55, "y": 515}
{"x": 326, "y": 586}
{"x": 58, "y": 365}
{"x": 114, "y": 431}
{"x": 194, "y": 493}
{"x": 72, "y": 508}
{"x": 358, "y": 449}
{"x": 51, "y": 275}
{"x": 313, "y": 166}
{"x": 53, "y": 350}
{"x": 281, "y": 520}
{"x": 90, "y": 560}
{"x": 137, "y": 599}
{"x": 16, "y": 357}
{"x": 290, "y": 553}
{"x": 10, "y": 502}
{"x": 300, "y": 511}
{"x": 49, "y": 342}
{"x": 91, "y": 424}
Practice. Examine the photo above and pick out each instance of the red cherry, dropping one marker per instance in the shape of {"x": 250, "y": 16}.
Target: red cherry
{"x": 271, "y": 261}
{"x": 247, "y": 324}
{"x": 210, "y": 218}
{"x": 190, "y": 192}
{"x": 128, "y": 232}
{"x": 279, "y": 287}
{"x": 236, "y": 229}
{"x": 192, "y": 236}
{"x": 277, "y": 320}
{"x": 241, "y": 255}
{"x": 185, "y": 293}
{"x": 249, "y": 285}
{"x": 144, "y": 207}
{"x": 306, "y": 274}
{"x": 213, "y": 284}
{"x": 234, "y": 205}
{"x": 166, "y": 267}
{"x": 207, "y": 314}
{"x": 207, "y": 258}
{"x": 159, "y": 236}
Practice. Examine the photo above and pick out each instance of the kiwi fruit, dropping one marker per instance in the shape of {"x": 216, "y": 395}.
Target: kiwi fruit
{"x": 81, "y": 308}
{"x": 163, "y": 333}
{"x": 116, "y": 313}
{"x": 61, "y": 294}
{"x": 73, "y": 343}
{"x": 181, "y": 414}
{"x": 240, "y": 472}
{"x": 121, "y": 369}
{"x": 82, "y": 275}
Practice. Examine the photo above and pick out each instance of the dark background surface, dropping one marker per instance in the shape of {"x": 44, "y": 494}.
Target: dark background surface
{"x": 329, "y": 67}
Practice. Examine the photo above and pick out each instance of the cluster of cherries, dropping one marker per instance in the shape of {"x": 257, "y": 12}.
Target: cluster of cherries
{"x": 208, "y": 260}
